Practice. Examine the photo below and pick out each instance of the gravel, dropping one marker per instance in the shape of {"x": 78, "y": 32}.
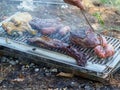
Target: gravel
{"x": 18, "y": 75}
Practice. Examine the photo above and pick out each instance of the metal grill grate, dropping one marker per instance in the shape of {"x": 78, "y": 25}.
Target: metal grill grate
{"x": 91, "y": 56}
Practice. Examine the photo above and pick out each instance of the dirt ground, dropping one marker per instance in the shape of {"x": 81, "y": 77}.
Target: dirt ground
{"x": 17, "y": 74}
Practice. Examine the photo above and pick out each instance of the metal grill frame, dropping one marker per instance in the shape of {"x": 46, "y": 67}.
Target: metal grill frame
{"x": 94, "y": 67}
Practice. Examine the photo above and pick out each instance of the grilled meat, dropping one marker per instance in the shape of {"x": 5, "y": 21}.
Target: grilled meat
{"x": 109, "y": 50}
{"x": 87, "y": 38}
{"x": 38, "y": 23}
{"x": 99, "y": 51}
{"x": 49, "y": 26}
{"x": 104, "y": 52}
{"x": 48, "y": 30}
{"x": 19, "y": 24}
{"x": 21, "y": 18}
{"x": 12, "y": 29}
{"x": 64, "y": 30}
{"x": 57, "y": 44}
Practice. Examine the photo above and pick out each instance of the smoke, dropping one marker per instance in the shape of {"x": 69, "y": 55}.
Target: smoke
{"x": 26, "y": 5}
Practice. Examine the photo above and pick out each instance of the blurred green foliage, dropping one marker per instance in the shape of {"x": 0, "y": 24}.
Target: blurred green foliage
{"x": 99, "y": 18}
{"x": 115, "y": 3}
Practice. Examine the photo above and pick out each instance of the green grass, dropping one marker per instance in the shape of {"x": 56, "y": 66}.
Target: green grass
{"x": 99, "y": 18}
{"x": 114, "y": 3}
